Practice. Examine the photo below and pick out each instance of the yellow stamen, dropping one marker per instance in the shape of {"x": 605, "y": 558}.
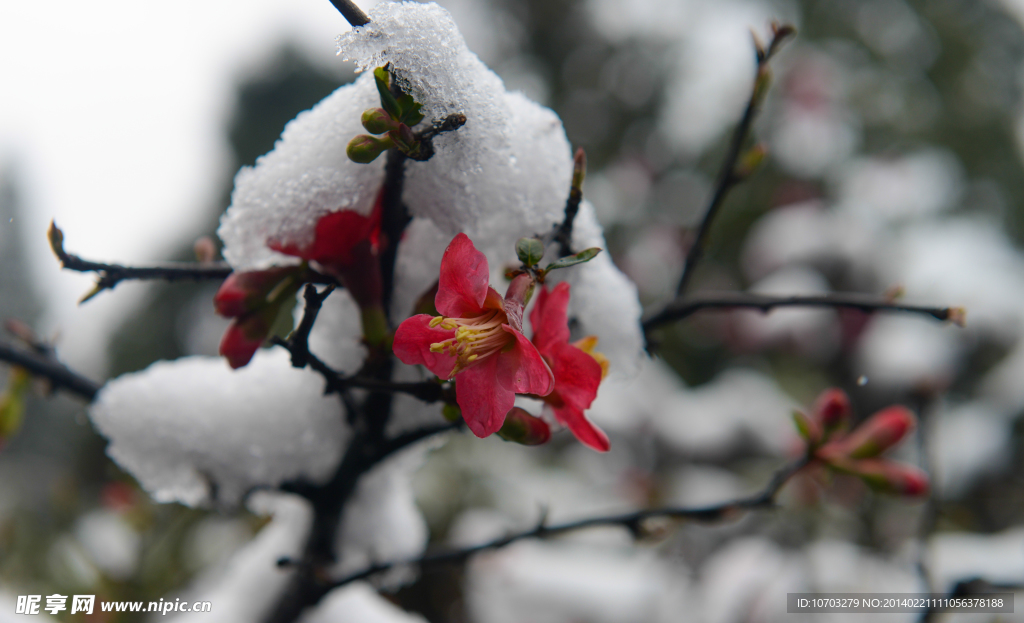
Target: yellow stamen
{"x": 475, "y": 338}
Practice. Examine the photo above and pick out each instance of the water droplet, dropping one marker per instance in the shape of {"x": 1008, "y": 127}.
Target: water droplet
{"x": 10, "y": 220}
{"x": 862, "y": 380}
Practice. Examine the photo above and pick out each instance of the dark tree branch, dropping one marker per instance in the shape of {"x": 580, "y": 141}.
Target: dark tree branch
{"x": 683, "y": 308}
{"x": 563, "y": 233}
{"x": 634, "y": 522}
{"x": 112, "y": 274}
{"x": 730, "y": 174}
{"x": 352, "y": 13}
{"x": 394, "y": 219}
{"x": 425, "y": 138}
{"x": 47, "y": 366}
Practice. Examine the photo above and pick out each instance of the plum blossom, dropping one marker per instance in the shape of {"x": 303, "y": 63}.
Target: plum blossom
{"x": 478, "y": 338}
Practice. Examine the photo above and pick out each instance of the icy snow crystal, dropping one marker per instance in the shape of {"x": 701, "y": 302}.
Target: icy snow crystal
{"x": 194, "y": 431}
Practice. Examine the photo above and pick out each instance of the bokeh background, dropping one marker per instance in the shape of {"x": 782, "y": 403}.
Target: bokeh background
{"x": 894, "y": 130}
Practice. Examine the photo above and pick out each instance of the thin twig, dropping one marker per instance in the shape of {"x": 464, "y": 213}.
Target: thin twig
{"x": 683, "y": 308}
{"x": 631, "y": 521}
{"x": 563, "y": 232}
{"x": 112, "y": 274}
{"x": 50, "y": 368}
{"x": 729, "y": 175}
{"x": 352, "y": 13}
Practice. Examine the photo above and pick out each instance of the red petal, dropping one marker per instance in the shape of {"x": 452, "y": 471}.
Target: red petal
{"x": 241, "y": 341}
{"x": 484, "y": 402}
{"x": 577, "y": 375}
{"x": 412, "y": 345}
{"x": 336, "y": 234}
{"x": 550, "y": 325}
{"x": 522, "y": 369}
{"x": 582, "y": 428}
{"x": 462, "y": 288}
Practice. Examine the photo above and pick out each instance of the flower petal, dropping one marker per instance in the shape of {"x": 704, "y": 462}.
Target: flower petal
{"x": 484, "y": 402}
{"x": 462, "y": 287}
{"x": 522, "y": 369}
{"x": 412, "y": 345}
{"x": 550, "y": 325}
{"x": 577, "y": 375}
{"x": 582, "y": 428}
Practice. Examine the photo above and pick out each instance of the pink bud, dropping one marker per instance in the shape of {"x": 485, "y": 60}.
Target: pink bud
{"x": 522, "y": 428}
{"x": 880, "y": 432}
{"x": 832, "y": 408}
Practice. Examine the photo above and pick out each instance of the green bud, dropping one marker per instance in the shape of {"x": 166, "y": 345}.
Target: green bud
{"x": 530, "y": 251}
{"x": 364, "y": 148}
{"x": 377, "y": 121}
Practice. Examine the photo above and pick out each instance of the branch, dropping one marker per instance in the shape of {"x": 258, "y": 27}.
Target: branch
{"x": 49, "y": 367}
{"x": 112, "y": 274}
{"x": 631, "y": 521}
{"x": 683, "y": 308}
{"x": 563, "y": 233}
{"x": 352, "y": 13}
{"x": 730, "y": 174}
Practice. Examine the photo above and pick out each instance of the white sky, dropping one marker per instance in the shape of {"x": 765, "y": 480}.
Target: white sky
{"x": 113, "y": 112}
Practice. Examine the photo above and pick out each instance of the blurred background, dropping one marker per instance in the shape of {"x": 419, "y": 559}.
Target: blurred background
{"x": 894, "y": 131}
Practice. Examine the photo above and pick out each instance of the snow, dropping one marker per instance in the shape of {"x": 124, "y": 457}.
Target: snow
{"x": 111, "y": 543}
{"x": 382, "y": 521}
{"x": 252, "y": 580}
{"x": 565, "y": 582}
{"x": 306, "y": 176}
{"x": 196, "y": 432}
{"x": 358, "y": 602}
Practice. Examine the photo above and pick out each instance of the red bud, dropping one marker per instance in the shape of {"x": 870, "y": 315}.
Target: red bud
{"x": 523, "y": 428}
{"x": 242, "y": 293}
{"x": 832, "y": 409}
{"x": 243, "y": 338}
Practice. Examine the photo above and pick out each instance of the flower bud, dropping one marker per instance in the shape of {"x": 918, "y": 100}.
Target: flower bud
{"x": 891, "y": 477}
{"x": 808, "y": 428}
{"x": 364, "y": 148}
{"x": 522, "y": 428}
{"x": 880, "y": 432}
{"x": 377, "y": 121}
{"x": 243, "y": 338}
{"x": 832, "y": 409}
{"x": 242, "y": 293}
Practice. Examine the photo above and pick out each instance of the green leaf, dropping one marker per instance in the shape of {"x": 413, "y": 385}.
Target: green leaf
{"x": 803, "y": 426}
{"x": 387, "y": 100}
{"x": 571, "y": 260}
{"x": 530, "y": 251}
{"x": 411, "y": 114}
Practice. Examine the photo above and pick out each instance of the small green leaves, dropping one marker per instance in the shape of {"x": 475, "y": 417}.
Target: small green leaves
{"x": 530, "y": 251}
{"x": 396, "y": 116}
{"x": 383, "y": 78}
{"x": 807, "y": 428}
{"x": 750, "y": 161}
{"x": 571, "y": 260}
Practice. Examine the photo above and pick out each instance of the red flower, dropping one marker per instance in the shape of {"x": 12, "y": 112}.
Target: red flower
{"x": 577, "y": 370}
{"x": 478, "y": 338}
{"x": 346, "y": 244}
